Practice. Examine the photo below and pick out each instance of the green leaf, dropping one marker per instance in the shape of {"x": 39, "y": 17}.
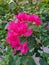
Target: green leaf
{"x": 31, "y": 61}
{"x": 46, "y": 43}
{"x": 48, "y": 59}
{"x": 12, "y": 61}
{"x": 43, "y": 62}
{"x": 31, "y": 41}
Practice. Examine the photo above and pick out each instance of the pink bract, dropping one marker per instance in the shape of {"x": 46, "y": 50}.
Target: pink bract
{"x": 22, "y": 16}
{"x": 36, "y": 19}
{"x": 29, "y": 18}
{"x": 20, "y": 28}
{"x": 24, "y": 48}
{"x": 28, "y": 32}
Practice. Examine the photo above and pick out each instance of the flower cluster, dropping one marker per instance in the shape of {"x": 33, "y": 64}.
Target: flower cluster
{"x": 29, "y": 18}
{"x": 19, "y": 28}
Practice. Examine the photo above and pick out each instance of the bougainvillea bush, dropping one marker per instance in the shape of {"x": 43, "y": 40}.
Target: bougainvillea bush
{"x": 20, "y": 28}
{"x": 24, "y": 32}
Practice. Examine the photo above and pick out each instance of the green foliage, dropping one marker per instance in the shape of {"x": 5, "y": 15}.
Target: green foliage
{"x": 39, "y": 39}
{"x": 43, "y": 62}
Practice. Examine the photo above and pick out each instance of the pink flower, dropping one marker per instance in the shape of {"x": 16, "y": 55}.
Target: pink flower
{"x": 12, "y": 36}
{"x": 19, "y": 28}
{"x": 11, "y": 25}
{"x": 14, "y": 43}
{"x": 22, "y": 27}
{"x": 12, "y": 40}
{"x": 31, "y": 18}
{"x": 28, "y": 32}
{"x": 24, "y": 48}
{"x": 18, "y": 47}
{"x": 22, "y": 16}
{"x": 35, "y": 19}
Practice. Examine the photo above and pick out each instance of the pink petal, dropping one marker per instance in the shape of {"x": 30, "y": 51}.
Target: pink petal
{"x": 24, "y": 48}
{"x": 28, "y": 32}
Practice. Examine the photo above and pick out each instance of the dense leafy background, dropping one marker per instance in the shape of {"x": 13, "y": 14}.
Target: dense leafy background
{"x": 39, "y": 39}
